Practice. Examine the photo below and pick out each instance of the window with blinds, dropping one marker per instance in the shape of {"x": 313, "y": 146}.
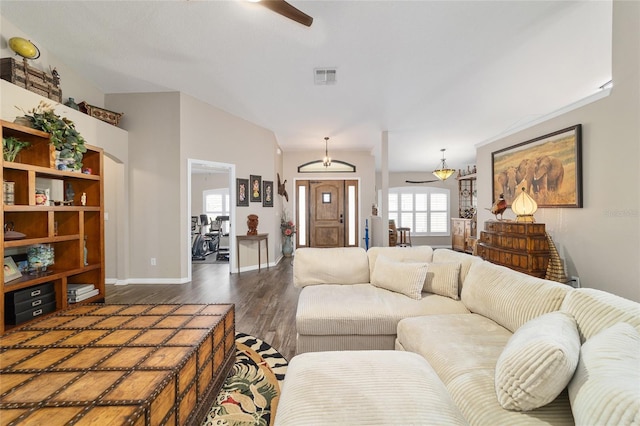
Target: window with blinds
{"x": 425, "y": 210}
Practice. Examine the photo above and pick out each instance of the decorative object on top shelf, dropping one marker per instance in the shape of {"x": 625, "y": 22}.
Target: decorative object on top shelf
{"x": 524, "y": 207}
{"x": 55, "y": 76}
{"x": 24, "y": 48}
{"x": 499, "y": 207}
{"x": 444, "y": 172}
{"x": 30, "y": 78}
{"x": 549, "y": 167}
{"x": 252, "y": 224}
{"x": 71, "y": 103}
{"x": 64, "y": 137}
{"x": 101, "y": 113}
{"x": 11, "y": 146}
{"x": 40, "y": 257}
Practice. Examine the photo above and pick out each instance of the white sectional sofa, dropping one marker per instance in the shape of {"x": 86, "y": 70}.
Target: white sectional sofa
{"x": 509, "y": 348}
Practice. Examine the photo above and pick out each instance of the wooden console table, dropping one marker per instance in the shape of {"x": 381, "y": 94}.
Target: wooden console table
{"x": 257, "y": 238}
{"x": 117, "y": 364}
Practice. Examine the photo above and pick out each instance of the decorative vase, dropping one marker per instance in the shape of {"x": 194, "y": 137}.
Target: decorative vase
{"x": 287, "y": 247}
{"x": 71, "y": 103}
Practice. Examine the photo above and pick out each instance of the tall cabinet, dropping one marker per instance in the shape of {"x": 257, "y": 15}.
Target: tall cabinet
{"x": 75, "y": 231}
{"x": 463, "y": 227}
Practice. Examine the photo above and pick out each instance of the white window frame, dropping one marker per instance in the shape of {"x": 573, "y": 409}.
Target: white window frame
{"x": 429, "y": 191}
{"x": 226, "y": 205}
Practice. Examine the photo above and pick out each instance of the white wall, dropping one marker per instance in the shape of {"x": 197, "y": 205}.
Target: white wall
{"x": 601, "y": 241}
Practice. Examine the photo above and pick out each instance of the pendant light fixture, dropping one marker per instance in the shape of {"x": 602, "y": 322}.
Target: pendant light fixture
{"x": 326, "y": 161}
{"x": 327, "y": 164}
{"x": 443, "y": 173}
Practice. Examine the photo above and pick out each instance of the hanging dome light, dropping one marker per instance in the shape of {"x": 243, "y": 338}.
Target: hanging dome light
{"x": 443, "y": 173}
{"x": 524, "y": 207}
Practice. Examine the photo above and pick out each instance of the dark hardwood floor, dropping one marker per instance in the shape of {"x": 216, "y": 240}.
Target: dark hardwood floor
{"x": 265, "y": 301}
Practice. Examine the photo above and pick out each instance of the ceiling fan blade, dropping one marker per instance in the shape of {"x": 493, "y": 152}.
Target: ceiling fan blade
{"x": 285, "y": 9}
{"x": 421, "y": 181}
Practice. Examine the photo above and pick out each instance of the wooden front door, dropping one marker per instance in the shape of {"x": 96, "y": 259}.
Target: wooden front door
{"x": 327, "y": 213}
{"x": 326, "y": 198}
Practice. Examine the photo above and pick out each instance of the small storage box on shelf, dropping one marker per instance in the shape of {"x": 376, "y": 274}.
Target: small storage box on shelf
{"x": 67, "y": 228}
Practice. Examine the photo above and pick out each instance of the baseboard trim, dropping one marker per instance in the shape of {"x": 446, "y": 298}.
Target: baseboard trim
{"x": 147, "y": 281}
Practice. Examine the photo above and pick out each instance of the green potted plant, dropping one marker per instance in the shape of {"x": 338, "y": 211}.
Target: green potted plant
{"x": 11, "y": 146}
{"x": 64, "y": 137}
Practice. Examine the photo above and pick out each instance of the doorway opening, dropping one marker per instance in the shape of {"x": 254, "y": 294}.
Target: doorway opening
{"x": 210, "y": 214}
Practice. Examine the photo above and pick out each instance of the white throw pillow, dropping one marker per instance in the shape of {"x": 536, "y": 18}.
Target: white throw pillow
{"x": 537, "y": 362}
{"x": 605, "y": 389}
{"x": 401, "y": 277}
{"x": 442, "y": 279}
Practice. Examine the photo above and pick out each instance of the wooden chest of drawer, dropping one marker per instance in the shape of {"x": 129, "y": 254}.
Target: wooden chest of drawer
{"x": 520, "y": 246}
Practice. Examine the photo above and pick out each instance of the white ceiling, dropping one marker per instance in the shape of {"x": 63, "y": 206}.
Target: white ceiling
{"x": 435, "y": 74}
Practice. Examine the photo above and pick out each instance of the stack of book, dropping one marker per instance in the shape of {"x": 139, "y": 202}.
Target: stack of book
{"x": 79, "y": 292}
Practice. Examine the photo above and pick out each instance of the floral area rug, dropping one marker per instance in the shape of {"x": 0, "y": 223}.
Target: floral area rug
{"x": 249, "y": 396}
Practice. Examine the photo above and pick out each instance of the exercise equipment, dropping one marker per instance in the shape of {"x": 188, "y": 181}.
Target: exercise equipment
{"x": 203, "y": 243}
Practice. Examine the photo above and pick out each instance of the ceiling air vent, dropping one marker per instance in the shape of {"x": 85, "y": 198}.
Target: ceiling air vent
{"x": 324, "y": 76}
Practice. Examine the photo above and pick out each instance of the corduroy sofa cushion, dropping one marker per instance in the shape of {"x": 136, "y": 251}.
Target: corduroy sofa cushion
{"x": 363, "y": 309}
{"x": 538, "y": 362}
{"x": 605, "y": 389}
{"x": 596, "y": 310}
{"x": 316, "y": 266}
{"x": 508, "y": 297}
{"x": 406, "y": 278}
{"x": 463, "y": 350}
{"x": 465, "y": 260}
{"x": 400, "y": 254}
{"x": 364, "y": 388}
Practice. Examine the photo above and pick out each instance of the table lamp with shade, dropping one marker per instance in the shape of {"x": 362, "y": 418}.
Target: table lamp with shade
{"x": 524, "y": 207}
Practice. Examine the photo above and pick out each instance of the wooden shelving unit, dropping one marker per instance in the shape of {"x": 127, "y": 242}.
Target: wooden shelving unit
{"x": 463, "y": 228}
{"x": 64, "y": 227}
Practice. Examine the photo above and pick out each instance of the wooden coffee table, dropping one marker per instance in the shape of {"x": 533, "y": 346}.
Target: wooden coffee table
{"x": 117, "y": 364}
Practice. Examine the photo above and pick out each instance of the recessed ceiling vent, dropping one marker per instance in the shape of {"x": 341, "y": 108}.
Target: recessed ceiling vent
{"x": 323, "y": 76}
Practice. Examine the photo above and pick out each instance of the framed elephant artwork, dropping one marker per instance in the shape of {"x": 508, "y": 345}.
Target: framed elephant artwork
{"x": 548, "y": 168}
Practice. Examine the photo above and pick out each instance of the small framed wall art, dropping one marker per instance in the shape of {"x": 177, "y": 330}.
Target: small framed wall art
{"x": 267, "y": 193}
{"x": 256, "y": 188}
{"x": 242, "y": 189}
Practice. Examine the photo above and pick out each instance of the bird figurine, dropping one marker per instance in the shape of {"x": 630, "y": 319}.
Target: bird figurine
{"x": 499, "y": 207}
{"x": 281, "y": 189}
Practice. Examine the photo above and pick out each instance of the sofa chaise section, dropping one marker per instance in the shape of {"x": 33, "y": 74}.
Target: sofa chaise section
{"x": 338, "y": 307}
